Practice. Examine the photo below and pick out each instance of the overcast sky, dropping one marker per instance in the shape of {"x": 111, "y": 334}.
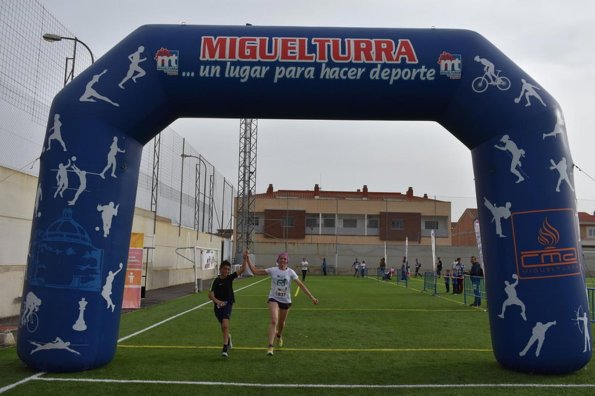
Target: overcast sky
{"x": 551, "y": 40}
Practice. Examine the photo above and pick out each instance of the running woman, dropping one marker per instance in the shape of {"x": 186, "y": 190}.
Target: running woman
{"x": 280, "y": 296}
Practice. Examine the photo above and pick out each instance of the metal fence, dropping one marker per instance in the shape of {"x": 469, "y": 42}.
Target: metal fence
{"x": 188, "y": 190}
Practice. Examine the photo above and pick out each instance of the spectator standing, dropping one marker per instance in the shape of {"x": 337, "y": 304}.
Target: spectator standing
{"x": 323, "y": 266}
{"x": 455, "y": 280}
{"x": 461, "y": 277}
{"x": 476, "y": 275}
{"x": 439, "y": 267}
{"x": 404, "y": 269}
{"x": 382, "y": 267}
{"x": 355, "y": 266}
{"x": 362, "y": 268}
{"x": 304, "y": 268}
{"x": 417, "y": 267}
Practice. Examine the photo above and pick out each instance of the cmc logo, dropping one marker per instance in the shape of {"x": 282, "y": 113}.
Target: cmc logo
{"x": 451, "y": 65}
{"x": 542, "y": 248}
{"x": 167, "y": 61}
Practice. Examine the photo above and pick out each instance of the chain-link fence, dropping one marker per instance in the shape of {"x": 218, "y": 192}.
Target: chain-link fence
{"x": 33, "y": 71}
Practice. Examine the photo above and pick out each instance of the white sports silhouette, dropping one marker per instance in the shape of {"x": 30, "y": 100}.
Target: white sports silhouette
{"x": 134, "y": 71}
{"x": 512, "y": 299}
{"x": 62, "y": 178}
{"x": 529, "y": 90}
{"x": 106, "y": 292}
{"x": 56, "y": 344}
{"x": 562, "y": 168}
{"x": 107, "y": 214}
{"x": 57, "y": 134}
{"x": 111, "y": 158}
{"x": 90, "y": 94}
{"x": 82, "y": 184}
{"x": 516, "y": 154}
{"x": 537, "y": 336}
{"x": 559, "y": 128}
{"x": 498, "y": 213}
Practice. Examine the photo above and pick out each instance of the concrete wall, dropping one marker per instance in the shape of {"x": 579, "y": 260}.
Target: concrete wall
{"x": 165, "y": 267}
{"x": 17, "y": 198}
{"x": 342, "y": 256}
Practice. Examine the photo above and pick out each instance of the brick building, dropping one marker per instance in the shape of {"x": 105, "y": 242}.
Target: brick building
{"x": 463, "y": 231}
{"x": 360, "y": 217}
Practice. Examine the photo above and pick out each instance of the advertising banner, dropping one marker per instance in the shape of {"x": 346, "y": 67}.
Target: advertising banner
{"x": 134, "y": 272}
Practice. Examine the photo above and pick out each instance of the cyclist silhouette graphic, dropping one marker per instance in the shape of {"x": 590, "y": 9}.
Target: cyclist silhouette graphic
{"x": 490, "y": 77}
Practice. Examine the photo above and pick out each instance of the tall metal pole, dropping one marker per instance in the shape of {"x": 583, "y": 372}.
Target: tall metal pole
{"x": 196, "y": 196}
{"x": 223, "y": 204}
{"x": 155, "y": 179}
{"x": 230, "y": 224}
{"x": 211, "y": 203}
{"x": 182, "y": 185}
{"x": 204, "y": 199}
{"x": 197, "y": 189}
{"x": 246, "y": 184}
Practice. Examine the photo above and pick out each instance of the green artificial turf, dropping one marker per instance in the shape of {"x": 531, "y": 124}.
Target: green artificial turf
{"x": 364, "y": 332}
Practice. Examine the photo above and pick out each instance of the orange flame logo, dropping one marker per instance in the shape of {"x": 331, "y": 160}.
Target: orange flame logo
{"x": 548, "y": 235}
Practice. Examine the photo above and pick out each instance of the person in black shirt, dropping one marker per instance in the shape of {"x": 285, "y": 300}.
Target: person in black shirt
{"x": 221, "y": 294}
{"x": 476, "y": 275}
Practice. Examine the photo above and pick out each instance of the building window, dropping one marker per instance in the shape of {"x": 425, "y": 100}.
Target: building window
{"x": 255, "y": 221}
{"x": 373, "y": 222}
{"x": 591, "y": 232}
{"x": 430, "y": 225}
{"x": 312, "y": 222}
{"x": 349, "y": 223}
{"x": 287, "y": 221}
{"x": 328, "y": 222}
{"x": 397, "y": 224}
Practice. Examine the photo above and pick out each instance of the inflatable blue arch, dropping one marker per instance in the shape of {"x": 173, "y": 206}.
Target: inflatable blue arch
{"x": 101, "y": 120}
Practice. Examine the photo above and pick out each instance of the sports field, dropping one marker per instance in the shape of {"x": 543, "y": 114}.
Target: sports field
{"x": 366, "y": 337}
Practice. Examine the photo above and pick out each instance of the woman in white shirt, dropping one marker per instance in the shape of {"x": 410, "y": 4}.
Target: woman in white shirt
{"x": 280, "y": 296}
{"x": 304, "y": 269}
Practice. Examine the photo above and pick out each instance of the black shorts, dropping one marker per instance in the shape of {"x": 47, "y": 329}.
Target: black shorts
{"x": 223, "y": 312}
{"x": 281, "y": 305}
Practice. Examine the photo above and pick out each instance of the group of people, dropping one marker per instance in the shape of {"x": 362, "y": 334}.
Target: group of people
{"x": 457, "y": 277}
{"x": 279, "y": 299}
{"x": 304, "y": 265}
{"x": 359, "y": 268}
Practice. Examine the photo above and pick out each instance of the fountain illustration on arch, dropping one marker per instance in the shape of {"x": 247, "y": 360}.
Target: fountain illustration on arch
{"x": 65, "y": 257}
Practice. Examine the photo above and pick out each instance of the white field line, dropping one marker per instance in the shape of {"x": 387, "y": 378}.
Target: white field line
{"x": 38, "y": 375}
{"x": 24, "y": 380}
{"x": 318, "y": 350}
{"x": 437, "y": 296}
{"x": 180, "y": 314}
{"x": 341, "y": 386}
{"x": 293, "y": 309}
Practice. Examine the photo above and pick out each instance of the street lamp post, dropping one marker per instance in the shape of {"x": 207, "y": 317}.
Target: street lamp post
{"x": 68, "y": 75}
{"x": 197, "y": 191}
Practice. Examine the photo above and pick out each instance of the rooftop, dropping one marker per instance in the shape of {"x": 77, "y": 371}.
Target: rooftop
{"x": 364, "y": 193}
